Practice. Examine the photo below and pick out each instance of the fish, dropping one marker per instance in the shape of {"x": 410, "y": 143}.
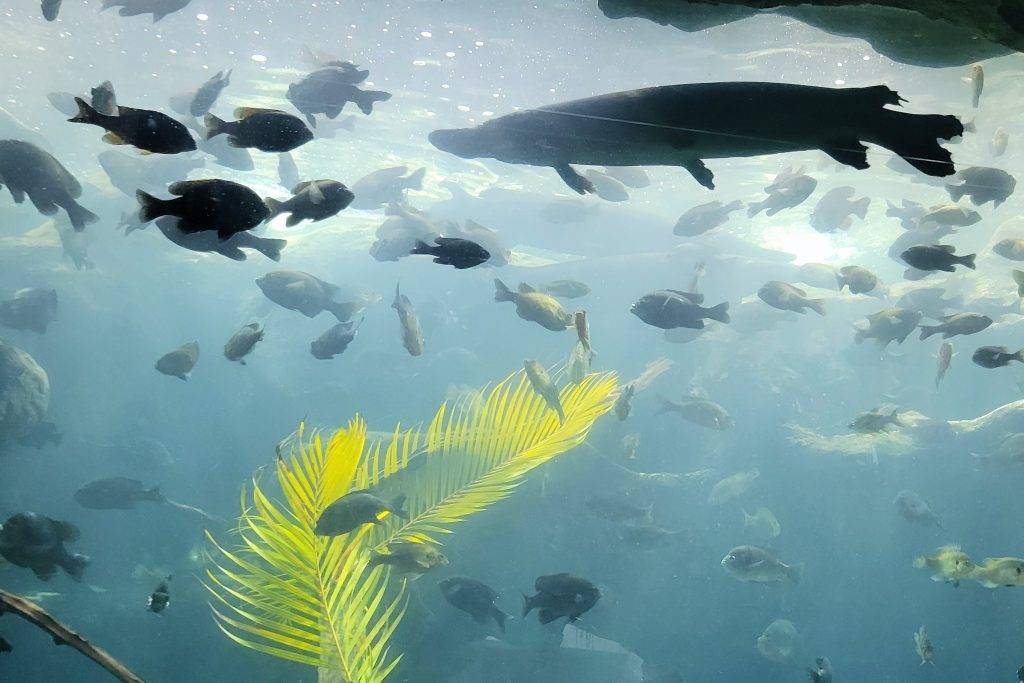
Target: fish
{"x": 243, "y": 342}
{"x": 453, "y": 251}
{"x": 874, "y": 421}
{"x": 578, "y": 364}
{"x": 929, "y": 257}
{"x": 636, "y": 178}
{"x": 923, "y": 644}
{"x": 160, "y": 598}
{"x": 328, "y": 89}
{"x": 751, "y": 564}
{"x": 704, "y": 217}
{"x": 398, "y": 234}
{"x": 995, "y": 572}
{"x": 144, "y": 129}
{"x": 210, "y": 242}
{"x": 996, "y": 356}
{"x": 287, "y": 171}
{"x": 606, "y": 187}
{"x": 412, "y": 334}
{"x": 355, "y": 509}
{"x": 977, "y": 82}
{"x": 1010, "y": 248}
{"x": 949, "y": 215}
{"x": 667, "y": 309}
{"x": 982, "y": 184}
{"x": 309, "y": 295}
{"x": 684, "y": 125}
{"x": 474, "y": 598}
{"x": 999, "y": 142}
{"x": 945, "y": 356}
{"x": 619, "y": 509}
{"x": 822, "y": 671}
{"x": 565, "y": 289}
{"x": 733, "y": 486}
{"x": 698, "y": 411}
{"x": 778, "y": 642}
{"x": 50, "y": 8}
{"x": 624, "y": 405}
{"x": 488, "y": 239}
{"x": 334, "y": 341}
{"x": 835, "y": 209}
{"x": 579, "y": 319}
{"x": 789, "y": 189}
{"x": 104, "y": 100}
{"x": 561, "y": 595}
{"x": 386, "y": 186}
{"x": 74, "y": 246}
{"x": 157, "y": 8}
{"x": 179, "y": 363}
{"x": 199, "y": 101}
{"x": 220, "y": 206}
{"x": 116, "y": 493}
{"x": 950, "y": 564}
{"x": 1018, "y": 279}
{"x": 313, "y": 200}
{"x": 859, "y": 280}
{"x": 534, "y": 306}
{"x": 819, "y": 275}
{"x": 409, "y": 558}
{"x": 913, "y": 508}
{"x": 27, "y": 170}
{"x": 648, "y": 536}
{"x": 786, "y": 297}
{"x": 957, "y": 324}
{"x": 36, "y": 542}
{"x": 235, "y": 158}
{"x": 545, "y": 388}
{"x": 909, "y": 213}
{"x": 268, "y": 130}
{"x": 762, "y": 524}
{"x": 32, "y": 308}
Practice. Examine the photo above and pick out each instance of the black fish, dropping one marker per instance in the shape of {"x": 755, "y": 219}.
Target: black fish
{"x": 158, "y": 8}
{"x": 334, "y": 341}
{"x": 996, "y": 356}
{"x": 267, "y": 130}
{"x": 355, "y": 509}
{"x": 683, "y": 125}
{"x": 561, "y": 595}
{"x": 116, "y": 493}
{"x": 314, "y": 200}
{"x": 50, "y": 10}
{"x": 199, "y": 101}
{"x": 930, "y": 257}
{"x": 36, "y": 542}
{"x": 669, "y": 308}
{"x": 474, "y": 598}
{"x": 150, "y": 131}
{"x": 27, "y": 170}
{"x": 217, "y": 205}
{"x": 453, "y": 251}
{"x": 160, "y": 598}
{"x": 327, "y": 91}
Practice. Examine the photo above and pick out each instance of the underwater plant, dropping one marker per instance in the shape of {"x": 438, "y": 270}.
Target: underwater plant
{"x": 284, "y": 591}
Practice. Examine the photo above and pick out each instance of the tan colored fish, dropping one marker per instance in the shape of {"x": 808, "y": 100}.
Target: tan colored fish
{"x": 756, "y": 565}
{"x": 412, "y": 335}
{"x": 924, "y": 647}
{"x": 995, "y": 572}
{"x": 534, "y": 306}
{"x": 409, "y": 558}
{"x": 950, "y": 564}
{"x": 945, "y": 356}
{"x": 733, "y": 486}
{"x": 542, "y": 384}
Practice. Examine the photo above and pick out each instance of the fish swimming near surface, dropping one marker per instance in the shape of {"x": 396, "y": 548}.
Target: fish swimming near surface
{"x": 36, "y": 542}
{"x": 147, "y": 130}
{"x": 160, "y": 598}
{"x": 327, "y": 90}
{"x": 27, "y": 170}
{"x": 210, "y": 242}
{"x": 982, "y": 184}
{"x": 684, "y": 125}
{"x": 534, "y": 306}
{"x": 312, "y": 200}
{"x": 158, "y": 8}
{"x": 412, "y": 333}
{"x": 355, "y": 509}
{"x": 751, "y": 564}
{"x": 561, "y": 595}
{"x": 243, "y": 342}
{"x": 179, "y": 362}
{"x": 704, "y": 217}
{"x": 948, "y": 216}
{"x": 32, "y": 308}
{"x": 474, "y": 598}
{"x": 219, "y": 206}
{"x": 268, "y": 130}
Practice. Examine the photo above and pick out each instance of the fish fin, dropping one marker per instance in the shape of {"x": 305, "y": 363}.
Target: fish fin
{"x": 316, "y": 195}
{"x": 914, "y": 137}
{"x": 86, "y": 114}
{"x": 343, "y": 310}
{"x": 414, "y": 181}
{"x": 528, "y": 604}
{"x": 575, "y": 181}
{"x": 755, "y": 208}
{"x": 113, "y": 139}
{"x": 422, "y": 248}
{"x": 701, "y": 173}
{"x": 499, "y": 617}
{"x": 546, "y": 616}
{"x": 149, "y": 206}
{"x": 719, "y": 312}
{"x": 214, "y": 126}
{"x": 967, "y": 260}
{"x": 293, "y": 220}
{"x": 67, "y": 531}
{"x": 242, "y": 113}
{"x": 929, "y": 330}
{"x": 860, "y": 207}
{"x": 526, "y": 289}
{"x": 76, "y": 565}
{"x": 80, "y": 216}
{"x": 956, "y": 192}
{"x": 231, "y": 252}
{"x": 850, "y": 152}
{"x": 275, "y": 206}
{"x": 503, "y": 293}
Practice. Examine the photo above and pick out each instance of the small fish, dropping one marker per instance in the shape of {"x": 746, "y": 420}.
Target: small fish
{"x": 606, "y": 187}
{"x": 312, "y": 200}
{"x": 999, "y": 142}
{"x": 474, "y": 598}
{"x": 629, "y": 176}
{"x": 267, "y": 130}
{"x": 704, "y": 217}
{"x": 996, "y": 572}
{"x": 950, "y": 564}
{"x": 149, "y": 131}
{"x": 624, "y": 402}
{"x": 579, "y": 319}
{"x": 891, "y": 324}
{"x": 945, "y": 356}
{"x": 355, "y": 509}
{"x": 914, "y": 509}
{"x": 453, "y": 251}
{"x": 835, "y": 209}
{"x": 949, "y": 216}
{"x": 409, "y": 558}
{"x": 789, "y": 189}
{"x": 908, "y": 213}
{"x": 699, "y": 411}
{"x": 334, "y": 341}
{"x": 630, "y": 444}
{"x": 386, "y": 186}
{"x": 977, "y": 82}
{"x": 221, "y": 206}
{"x": 859, "y": 280}
{"x": 648, "y": 536}
{"x": 779, "y": 641}
{"x": 733, "y": 486}
{"x": 756, "y": 565}
{"x": 561, "y": 595}
{"x": 309, "y": 295}
{"x": 412, "y": 335}
{"x": 31, "y": 309}
{"x": 982, "y": 184}
{"x": 923, "y": 645}
{"x": 1011, "y": 248}
{"x": 930, "y": 257}
{"x": 545, "y": 388}
{"x": 199, "y": 101}
{"x": 667, "y": 309}
{"x": 786, "y": 297}
{"x": 957, "y": 324}
{"x": 996, "y": 356}
{"x": 534, "y": 306}
{"x": 874, "y": 421}
{"x": 160, "y": 598}
{"x": 566, "y": 289}
{"x": 243, "y": 342}
{"x": 1018, "y": 279}
{"x": 763, "y": 524}
{"x": 179, "y": 363}
{"x": 287, "y": 171}
{"x": 578, "y": 364}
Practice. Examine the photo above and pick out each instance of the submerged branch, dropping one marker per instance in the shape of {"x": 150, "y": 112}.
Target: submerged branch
{"x": 62, "y": 635}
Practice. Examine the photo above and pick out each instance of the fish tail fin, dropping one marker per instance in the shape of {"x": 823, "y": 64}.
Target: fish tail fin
{"x": 499, "y": 618}
{"x": 967, "y": 260}
{"x": 915, "y": 138}
{"x": 271, "y": 248}
{"x": 149, "y": 206}
{"x": 503, "y": 293}
{"x": 860, "y": 207}
{"x": 1019, "y": 356}
{"x": 86, "y": 114}
{"x": 929, "y": 330}
{"x": 422, "y": 248}
{"x": 214, "y": 126}
{"x": 817, "y": 305}
{"x": 795, "y": 573}
{"x": 528, "y": 604}
{"x": 76, "y": 565}
{"x": 754, "y": 208}
{"x": 343, "y": 310}
{"x": 275, "y": 206}
{"x": 719, "y": 312}
{"x": 414, "y": 181}
{"x": 367, "y": 98}
{"x": 80, "y": 216}
{"x": 397, "y": 506}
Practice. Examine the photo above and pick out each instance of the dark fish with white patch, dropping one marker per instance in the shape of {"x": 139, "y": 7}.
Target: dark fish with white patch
{"x": 267, "y": 130}
{"x": 27, "y": 170}
{"x": 211, "y": 242}
{"x": 243, "y": 342}
{"x": 561, "y": 595}
{"x": 220, "y": 206}
{"x": 179, "y": 362}
{"x": 36, "y": 542}
{"x": 355, "y": 509}
{"x": 334, "y": 341}
{"x": 996, "y": 357}
{"x": 957, "y": 324}
{"x": 929, "y": 257}
{"x": 704, "y": 217}
{"x": 453, "y": 251}
{"x": 150, "y": 131}
{"x": 160, "y": 598}
{"x": 670, "y": 308}
{"x": 32, "y": 309}
{"x": 312, "y": 200}
{"x": 474, "y": 598}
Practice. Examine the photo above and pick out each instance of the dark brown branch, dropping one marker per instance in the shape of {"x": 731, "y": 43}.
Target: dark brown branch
{"x": 62, "y": 635}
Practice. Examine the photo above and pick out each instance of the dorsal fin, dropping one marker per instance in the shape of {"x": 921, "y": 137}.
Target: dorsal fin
{"x": 526, "y": 289}
{"x": 242, "y": 113}
{"x": 948, "y": 248}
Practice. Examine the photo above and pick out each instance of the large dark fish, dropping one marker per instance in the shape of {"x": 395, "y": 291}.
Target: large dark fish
{"x": 561, "y": 595}
{"x": 36, "y": 542}
{"x": 27, "y": 170}
{"x": 150, "y": 131}
{"x": 327, "y": 90}
{"x": 355, "y": 509}
{"x": 116, "y": 493}
{"x": 220, "y": 206}
{"x": 158, "y": 8}
{"x": 267, "y": 130}
{"x": 474, "y": 598}
{"x": 682, "y": 125}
